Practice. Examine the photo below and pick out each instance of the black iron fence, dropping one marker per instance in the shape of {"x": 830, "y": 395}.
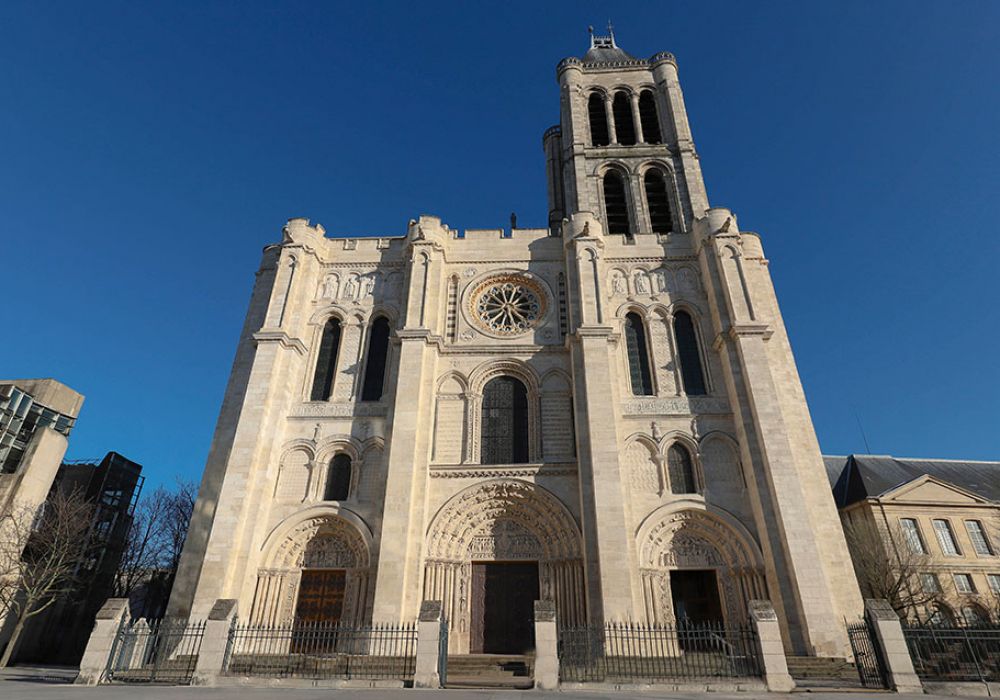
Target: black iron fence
{"x": 954, "y": 652}
{"x": 632, "y": 652}
{"x": 155, "y": 651}
{"x": 867, "y": 655}
{"x": 321, "y": 650}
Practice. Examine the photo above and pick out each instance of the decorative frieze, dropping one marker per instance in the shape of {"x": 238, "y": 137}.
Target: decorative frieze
{"x": 676, "y": 406}
{"x": 337, "y": 409}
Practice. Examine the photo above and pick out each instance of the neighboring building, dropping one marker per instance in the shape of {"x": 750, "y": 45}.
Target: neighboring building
{"x": 947, "y": 511}
{"x": 605, "y": 412}
{"x": 36, "y": 417}
{"x": 112, "y": 485}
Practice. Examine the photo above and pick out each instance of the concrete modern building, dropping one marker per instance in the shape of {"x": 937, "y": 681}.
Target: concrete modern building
{"x": 945, "y": 512}
{"x": 604, "y": 412}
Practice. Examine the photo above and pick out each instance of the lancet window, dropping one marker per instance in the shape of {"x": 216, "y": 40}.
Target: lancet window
{"x": 326, "y": 361}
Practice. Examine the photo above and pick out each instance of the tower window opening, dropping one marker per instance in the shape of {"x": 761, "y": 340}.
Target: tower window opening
{"x": 378, "y": 349}
{"x": 692, "y": 375}
{"x": 505, "y": 422}
{"x": 658, "y": 198}
{"x": 598, "y": 121}
{"x": 680, "y": 470}
{"x": 326, "y": 361}
{"x": 638, "y": 356}
{"x": 615, "y": 204}
{"x": 648, "y": 118}
{"x": 338, "y": 481}
{"x": 624, "y": 126}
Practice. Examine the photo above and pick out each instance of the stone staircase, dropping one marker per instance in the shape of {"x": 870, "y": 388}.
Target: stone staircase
{"x": 822, "y": 671}
{"x": 490, "y": 671}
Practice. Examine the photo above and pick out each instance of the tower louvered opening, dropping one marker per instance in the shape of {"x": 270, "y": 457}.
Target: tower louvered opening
{"x": 648, "y": 118}
{"x": 658, "y": 200}
{"x": 598, "y": 121}
{"x": 624, "y": 126}
{"x": 615, "y": 204}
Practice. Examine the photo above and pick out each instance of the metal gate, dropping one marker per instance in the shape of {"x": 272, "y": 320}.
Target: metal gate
{"x": 155, "y": 651}
{"x": 443, "y": 653}
{"x": 867, "y": 655}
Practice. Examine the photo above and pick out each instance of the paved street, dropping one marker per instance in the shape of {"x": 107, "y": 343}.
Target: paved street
{"x": 54, "y": 684}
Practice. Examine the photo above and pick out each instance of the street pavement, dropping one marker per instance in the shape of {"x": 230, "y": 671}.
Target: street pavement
{"x": 32, "y": 683}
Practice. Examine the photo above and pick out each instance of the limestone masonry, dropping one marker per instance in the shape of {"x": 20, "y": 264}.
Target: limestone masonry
{"x": 605, "y": 413}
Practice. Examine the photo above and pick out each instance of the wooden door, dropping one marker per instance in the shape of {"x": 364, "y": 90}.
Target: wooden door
{"x": 503, "y": 598}
{"x": 321, "y": 596}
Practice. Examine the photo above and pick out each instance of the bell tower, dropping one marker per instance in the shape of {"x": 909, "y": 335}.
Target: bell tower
{"x": 623, "y": 148}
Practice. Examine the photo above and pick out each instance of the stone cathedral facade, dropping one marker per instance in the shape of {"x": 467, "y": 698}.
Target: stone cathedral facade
{"x": 605, "y": 412}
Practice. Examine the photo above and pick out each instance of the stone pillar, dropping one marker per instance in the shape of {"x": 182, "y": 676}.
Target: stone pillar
{"x": 546, "y": 646}
{"x": 429, "y": 628}
{"x": 895, "y": 654}
{"x": 636, "y": 121}
{"x": 609, "y": 113}
{"x": 771, "y": 649}
{"x": 214, "y": 642}
{"x": 110, "y": 618}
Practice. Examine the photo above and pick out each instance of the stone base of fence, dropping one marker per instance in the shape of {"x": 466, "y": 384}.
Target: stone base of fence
{"x": 427, "y": 673}
{"x": 212, "y": 656}
{"x": 301, "y": 683}
{"x": 110, "y": 618}
{"x": 892, "y": 644}
{"x": 772, "y": 650}
{"x": 748, "y": 685}
{"x": 964, "y": 689}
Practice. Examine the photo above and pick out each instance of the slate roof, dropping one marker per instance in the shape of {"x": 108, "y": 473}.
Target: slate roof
{"x": 856, "y": 477}
{"x": 607, "y": 54}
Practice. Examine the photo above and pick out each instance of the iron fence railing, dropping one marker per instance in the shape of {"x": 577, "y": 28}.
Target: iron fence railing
{"x": 155, "y": 651}
{"x": 650, "y": 653}
{"x": 322, "y": 650}
{"x": 954, "y": 652}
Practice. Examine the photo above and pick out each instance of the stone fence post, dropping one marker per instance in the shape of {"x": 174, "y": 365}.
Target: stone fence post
{"x": 110, "y": 618}
{"x": 892, "y": 645}
{"x": 214, "y": 642}
{"x": 429, "y": 630}
{"x": 546, "y": 646}
{"x": 771, "y": 650}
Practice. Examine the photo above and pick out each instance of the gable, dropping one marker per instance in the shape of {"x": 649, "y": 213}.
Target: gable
{"x": 927, "y": 489}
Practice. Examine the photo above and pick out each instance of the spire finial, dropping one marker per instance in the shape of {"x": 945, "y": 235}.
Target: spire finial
{"x": 611, "y": 33}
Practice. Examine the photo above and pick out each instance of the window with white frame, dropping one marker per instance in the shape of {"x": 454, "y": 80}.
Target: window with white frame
{"x": 930, "y": 583}
{"x": 912, "y": 534}
{"x": 978, "y": 537}
{"x": 963, "y": 582}
{"x": 946, "y": 538}
{"x": 994, "y": 581}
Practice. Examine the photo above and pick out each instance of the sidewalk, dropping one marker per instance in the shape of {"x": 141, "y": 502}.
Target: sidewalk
{"x": 32, "y": 683}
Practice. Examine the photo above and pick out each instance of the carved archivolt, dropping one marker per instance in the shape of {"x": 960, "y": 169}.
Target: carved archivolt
{"x": 503, "y": 507}
{"x": 322, "y": 542}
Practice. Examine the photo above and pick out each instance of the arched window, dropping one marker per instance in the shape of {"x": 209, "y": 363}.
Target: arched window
{"x": 942, "y": 615}
{"x": 621, "y": 107}
{"x": 378, "y": 350}
{"x": 615, "y": 206}
{"x": 658, "y": 199}
{"x": 680, "y": 470}
{"x": 689, "y": 355}
{"x": 598, "y": 120}
{"x": 338, "y": 480}
{"x": 648, "y": 118}
{"x": 505, "y": 422}
{"x": 638, "y": 356}
{"x": 326, "y": 361}
{"x": 974, "y": 616}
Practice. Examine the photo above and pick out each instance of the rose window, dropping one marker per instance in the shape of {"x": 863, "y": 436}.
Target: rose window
{"x": 508, "y": 305}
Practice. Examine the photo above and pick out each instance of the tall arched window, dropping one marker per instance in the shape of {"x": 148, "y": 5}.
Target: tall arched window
{"x": 648, "y": 118}
{"x": 338, "y": 480}
{"x": 688, "y": 354}
{"x": 680, "y": 470}
{"x": 378, "y": 350}
{"x": 658, "y": 199}
{"x": 326, "y": 361}
{"x": 505, "y": 422}
{"x": 621, "y": 107}
{"x": 598, "y": 120}
{"x": 638, "y": 356}
{"x": 615, "y": 206}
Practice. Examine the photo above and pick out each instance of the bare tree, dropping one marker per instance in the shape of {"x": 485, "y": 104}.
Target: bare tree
{"x": 153, "y": 548}
{"x": 41, "y": 553}
{"x": 888, "y": 567}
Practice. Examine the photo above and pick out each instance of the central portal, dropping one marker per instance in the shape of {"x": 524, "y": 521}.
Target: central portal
{"x": 695, "y": 596}
{"x": 503, "y": 599}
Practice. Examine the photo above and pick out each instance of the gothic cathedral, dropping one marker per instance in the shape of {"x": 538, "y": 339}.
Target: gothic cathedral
{"x": 604, "y": 413}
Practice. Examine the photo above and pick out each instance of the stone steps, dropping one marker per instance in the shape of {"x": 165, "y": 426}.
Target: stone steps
{"x": 821, "y": 668}
{"x": 490, "y": 671}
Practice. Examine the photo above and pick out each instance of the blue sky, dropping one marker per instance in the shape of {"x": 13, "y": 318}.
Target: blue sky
{"x": 150, "y": 150}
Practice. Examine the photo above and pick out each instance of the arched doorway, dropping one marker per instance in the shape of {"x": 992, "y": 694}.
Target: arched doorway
{"x": 697, "y": 566}
{"x": 315, "y": 570}
{"x": 492, "y": 550}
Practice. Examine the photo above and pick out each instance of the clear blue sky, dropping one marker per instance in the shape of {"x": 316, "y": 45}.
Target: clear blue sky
{"x": 150, "y": 150}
